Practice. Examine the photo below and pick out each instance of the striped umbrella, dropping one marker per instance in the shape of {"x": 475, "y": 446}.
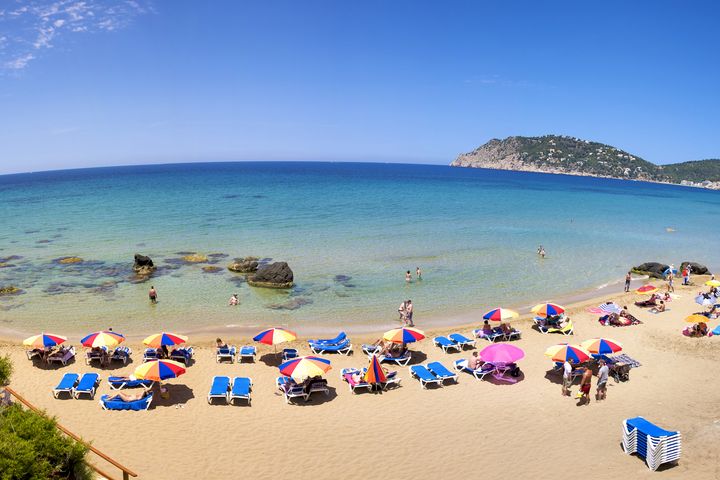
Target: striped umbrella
{"x": 547, "y": 309}
{"x": 375, "y": 373}
{"x": 159, "y": 339}
{"x": 102, "y": 339}
{"x": 159, "y": 370}
{"x": 610, "y": 307}
{"x": 500, "y": 314}
{"x": 696, "y": 318}
{"x": 713, "y": 283}
{"x": 572, "y": 353}
{"x": 704, "y": 301}
{"x": 303, "y": 367}
{"x": 601, "y": 345}
{"x": 647, "y": 289}
{"x": 404, "y": 335}
{"x": 44, "y": 340}
{"x": 273, "y": 336}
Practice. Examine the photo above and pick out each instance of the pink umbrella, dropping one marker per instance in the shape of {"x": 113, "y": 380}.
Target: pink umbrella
{"x": 501, "y": 353}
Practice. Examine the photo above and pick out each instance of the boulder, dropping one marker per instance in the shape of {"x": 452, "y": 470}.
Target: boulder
{"x": 695, "y": 268}
{"x": 143, "y": 265}
{"x": 651, "y": 269}
{"x": 274, "y": 275}
{"x": 244, "y": 265}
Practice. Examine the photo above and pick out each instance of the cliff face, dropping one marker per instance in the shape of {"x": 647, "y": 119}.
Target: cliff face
{"x": 573, "y": 156}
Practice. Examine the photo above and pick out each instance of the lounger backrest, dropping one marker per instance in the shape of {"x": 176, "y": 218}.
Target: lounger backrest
{"x": 460, "y": 338}
{"x": 421, "y": 372}
{"x": 439, "y": 369}
{"x": 241, "y": 385}
{"x": 68, "y": 380}
{"x": 442, "y": 341}
{"x": 220, "y": 384}
{"x": 87, "y": 382}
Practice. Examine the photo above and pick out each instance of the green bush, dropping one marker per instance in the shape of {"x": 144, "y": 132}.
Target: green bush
{"x": 31, "y": 448}
{"x": 6, "y": 369}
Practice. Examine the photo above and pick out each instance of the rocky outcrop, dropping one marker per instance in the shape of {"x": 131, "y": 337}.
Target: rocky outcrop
{"x": 274, "y": 275}
{"x": 695, "y": 268}
{"x": 143, "y": 266}
{"x": 651, "y": 269}
{"x": 10, "y": 290}
{"x": 244, "y": 265}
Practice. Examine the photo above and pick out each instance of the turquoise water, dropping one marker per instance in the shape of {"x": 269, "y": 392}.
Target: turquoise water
{"x": 474, "y": 233}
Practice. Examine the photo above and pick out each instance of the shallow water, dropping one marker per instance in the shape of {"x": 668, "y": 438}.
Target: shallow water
{"x": 349, "y": 232}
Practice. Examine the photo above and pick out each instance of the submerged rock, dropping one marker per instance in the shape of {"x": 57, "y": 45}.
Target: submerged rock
{"x": 274, "y": 275}
{"x": 244, "y": 265}
{"x": 195, "y": 258}
{"x": 10, "y": 290}
{"x": 292, "y": 304}
{"x": 68, "y": 260}
{"x": 651, "y": 269}
{"x": 143, "y": 265}
{"x": 212, "y": 269}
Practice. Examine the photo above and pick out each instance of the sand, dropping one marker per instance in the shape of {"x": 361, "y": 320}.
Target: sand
{"x": 476, "y": 428}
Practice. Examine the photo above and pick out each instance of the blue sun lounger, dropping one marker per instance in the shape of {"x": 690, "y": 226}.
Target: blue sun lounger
{"x": 344, "y": 347}
{"x": 150, "y": 354}
{"x": 655, "y": 444}
{"x": 183, "y": 355}
{"x": 247, "y": 352}
{"x": 424, "y": 376}
{"x": 115, "y": 404}
{"x": 225, "y": 353}
{"x": 446, "y": 344}
{"x": 121, "y": 354}
{"x": 118, "y": 383}
{"x": 241, "y": 389}
{"x": 442, "y": 372}
{"x": 462, "y": 340}
{"x": 485, "y": 369}
{"x": 67, "y": 383}
{"x": 289, "y": 353}
{"x": 87, "y": 385}
{"x": 341, "y": 337}
{"x": 219, "y": 388}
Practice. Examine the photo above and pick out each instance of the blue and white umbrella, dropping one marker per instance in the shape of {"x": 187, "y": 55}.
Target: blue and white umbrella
{"x": 670, "y": 269}
{"x": 702, "y": 300}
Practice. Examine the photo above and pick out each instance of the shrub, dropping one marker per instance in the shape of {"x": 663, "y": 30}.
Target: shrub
{"x": 6, "y": 369}
{"x": 31, "y": 447}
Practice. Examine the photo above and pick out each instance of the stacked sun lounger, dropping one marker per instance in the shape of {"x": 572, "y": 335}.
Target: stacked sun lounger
{"x": 655, "y": 444}
{"x": 339, "y": 344}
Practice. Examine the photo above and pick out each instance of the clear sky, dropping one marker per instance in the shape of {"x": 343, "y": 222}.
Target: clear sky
{"x": 86, "y": 83}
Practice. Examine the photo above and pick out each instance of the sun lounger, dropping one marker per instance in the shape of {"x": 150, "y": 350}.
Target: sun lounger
{"x": 490, "y": 337}
{"x": 513, "y": 335}
{"x": 442, "y": 372}
{"x": 150, "y": 354}
{"x": 566, "y": 330}
{"x": 183, "y": 355}
{"x": 118, "y": 383}
{"x": 87, "y": 385}
{"x": 655, "y": 444}
{"x": 241, "y": 389}
{"x": 219, "y": 388}
{"x": 446, "y": 344}
{"x": 344, "y": 347}
{"x": 247, "y": 352}
{"x": 485, "y": 369}
{"x": 318, "y": 387}
{"x": 425, "y": 376}
{"x": 402, "y": 360}
{"x": 392, "y": 378}
{"x": 371, "y": 349}
{"x": 347, "y": 375}
{"x": 121, "y": 354}
{"x": 112, "y": 404}
{"x": 63, "y": 357}
{"x": 341, "y": 337}
{"x": 290, "y": 389}
{"x": 35, "y": 352}
{"x": 289, "y": 354}
{"x": 67, "y": 383}
{"x": 462, "y": 340}
{"x": 225, "y": 353}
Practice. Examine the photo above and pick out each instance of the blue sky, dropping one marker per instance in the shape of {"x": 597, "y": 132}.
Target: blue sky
{"x": 86, "y": 83}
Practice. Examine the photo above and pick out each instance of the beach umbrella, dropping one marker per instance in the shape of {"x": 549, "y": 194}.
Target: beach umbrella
{"x": 159, "y": 339}
{"x": 696, "y": 318}
{"x": 564, "y": 351}
{"x": 303, "y": 367}
{"x": 404, "y": 335}
{"x": 670, "y": 269}
{"x": 647, "y": 289}
{"x": 44, "y": 340}
{"x": 547, "y": 309}
{"x": 501, "y": 353}
{"x": 375, "y": 373}
{"x": 102, "y": 339}
{"x": 273, "y": 336}
{"x": 713, "y": 283}
{"x": 601, "y": 345}
{"x": 500, "y": 314}
{"x": 610, "y": 307}
{"x": 159, "y": 370}
{"x": 704, "y": 301}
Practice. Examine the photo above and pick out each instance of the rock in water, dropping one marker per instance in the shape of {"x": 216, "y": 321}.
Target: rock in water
{"x": 195, "y": 258}
{"x": 68, "y": 260}
{"x": 651, "y": 269}
{"x": 244, "y": 265}
{"x": 143, "y": 266}
{"x": 10, "y": 290}
{"x": 695, "y": 268}
{"x": 274, "y": 275}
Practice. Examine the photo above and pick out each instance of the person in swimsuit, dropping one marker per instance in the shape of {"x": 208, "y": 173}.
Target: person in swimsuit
{"x": 418, "y": 273}
{"x": 409, "y": 313}
{"x": 234, "y": 300}
{"x": 628, "y": 277}
{"x": 152, "y": 294}
{"x": 585, "y": 384}
{"x": 603, "y": 373}
{"x": 408, "y": 277}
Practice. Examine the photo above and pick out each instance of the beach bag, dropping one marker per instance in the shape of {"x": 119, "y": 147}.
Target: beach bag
{"x": 515, "y": 372}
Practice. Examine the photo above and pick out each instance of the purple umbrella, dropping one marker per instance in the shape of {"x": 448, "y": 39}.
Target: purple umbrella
{"x": 501, "y": 353}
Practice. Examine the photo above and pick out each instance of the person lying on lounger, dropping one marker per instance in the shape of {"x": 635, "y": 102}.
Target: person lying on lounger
{"x": 312, "y": 381}
{"x": 507, "y": 329}
{"x": 128, "y": 397}
{"x": 475, "y": 361}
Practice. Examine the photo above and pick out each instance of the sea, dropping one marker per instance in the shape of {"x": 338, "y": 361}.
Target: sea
{"x": 349, "y": 231}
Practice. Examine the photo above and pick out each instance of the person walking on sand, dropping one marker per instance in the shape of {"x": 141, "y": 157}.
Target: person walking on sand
{"x": 670, "y": 286}
{"x": 418, "y": 273}
{"x": 408, "y": 277}
{"x": 686, "y": 276}
{"x": 603, "y": 373}
{"x": 585, "y": 384}
{"x": 628, "y": 277}
{"x": 409, "y": 313}
{"x": 567, "y": 378}
{"x": 152, "y": 294}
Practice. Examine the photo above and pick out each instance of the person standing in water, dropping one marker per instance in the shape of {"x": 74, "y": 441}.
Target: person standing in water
{"x": 234, "y": 300}
{"x": 152, "y": 294}
{"x": 418, "y": 273}
{"x": 402, "y": 310}
{"x": 409, "y": 313}
{"x": 408, "y": 277}
{"x": 541, "y": 251}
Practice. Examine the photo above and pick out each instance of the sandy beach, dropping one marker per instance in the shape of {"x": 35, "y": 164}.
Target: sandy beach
{"x": 475, "y": 428}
